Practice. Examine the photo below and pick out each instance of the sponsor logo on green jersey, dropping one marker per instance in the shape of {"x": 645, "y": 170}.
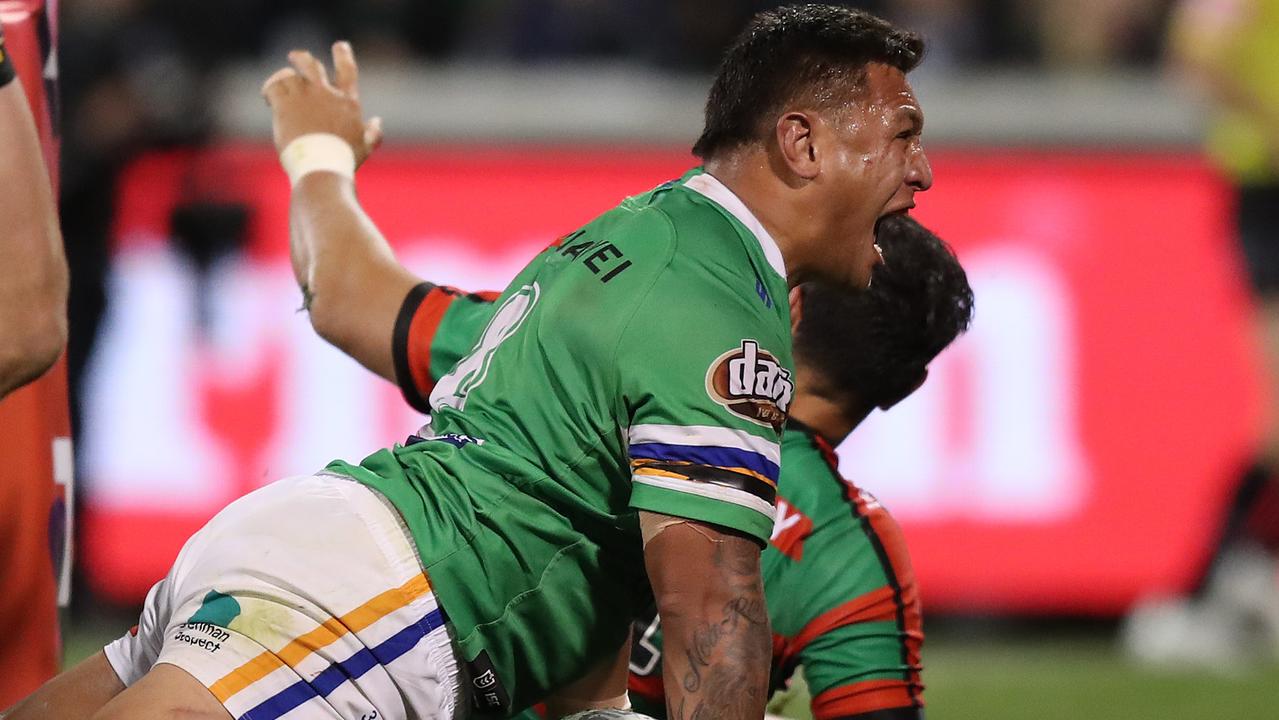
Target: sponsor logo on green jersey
{"x": 750, "y": 383}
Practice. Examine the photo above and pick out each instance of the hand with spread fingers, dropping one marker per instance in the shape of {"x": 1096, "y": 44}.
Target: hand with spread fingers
{"x": 304, "y": 101}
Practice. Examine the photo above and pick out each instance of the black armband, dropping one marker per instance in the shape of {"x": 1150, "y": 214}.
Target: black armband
{"x": 7, "y": 72}
{"x": 400, "y": 347}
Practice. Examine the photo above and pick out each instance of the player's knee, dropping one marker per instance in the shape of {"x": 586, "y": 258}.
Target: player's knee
{"x": 176, "y": 710}
{"x": 167, "y": 692}
{"x": 76, "y": 693}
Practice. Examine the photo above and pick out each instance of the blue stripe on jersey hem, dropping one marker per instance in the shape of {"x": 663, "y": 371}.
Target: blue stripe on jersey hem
{"x": 353, "y": 667}
{"x": 707, "y": 455}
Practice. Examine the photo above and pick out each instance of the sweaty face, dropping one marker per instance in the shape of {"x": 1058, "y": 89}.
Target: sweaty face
{"x": 873, "y": 164}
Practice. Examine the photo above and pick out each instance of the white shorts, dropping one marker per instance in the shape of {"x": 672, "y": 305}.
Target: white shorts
{"x": 304, "y": 599}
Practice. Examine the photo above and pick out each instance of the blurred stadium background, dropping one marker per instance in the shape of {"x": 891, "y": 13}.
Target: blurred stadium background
{"x": 1070, "y": 458}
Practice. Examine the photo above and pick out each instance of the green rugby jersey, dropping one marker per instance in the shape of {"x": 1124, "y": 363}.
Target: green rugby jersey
{"x": 841, "y": 592}
{"x": 639, "y": 363}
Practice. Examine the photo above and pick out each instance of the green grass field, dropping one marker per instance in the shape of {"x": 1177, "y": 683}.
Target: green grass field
{"x": 1023, "y": 675}
{"x": 1072, "y": 676}
{"x": 1047, "y": 678}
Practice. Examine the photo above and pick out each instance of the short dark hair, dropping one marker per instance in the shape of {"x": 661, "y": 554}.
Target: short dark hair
{"x": 873, "y": 346}
{"x": 797, "y": 51}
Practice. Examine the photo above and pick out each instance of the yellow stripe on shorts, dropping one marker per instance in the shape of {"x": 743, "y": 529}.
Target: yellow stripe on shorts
{"x": 326, "y": 633}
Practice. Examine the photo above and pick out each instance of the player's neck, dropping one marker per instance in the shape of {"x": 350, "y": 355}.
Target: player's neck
{"x": 770, "y": 199}
{"x": 826, "y": 417}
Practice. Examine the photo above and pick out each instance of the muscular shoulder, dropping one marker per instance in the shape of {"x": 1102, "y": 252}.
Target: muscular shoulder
{"x": 708, "y": 237}
{"x": 621, "y": 251}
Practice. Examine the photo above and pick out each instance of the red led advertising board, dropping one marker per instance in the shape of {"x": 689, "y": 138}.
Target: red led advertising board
{"x": 1071, "y": 453}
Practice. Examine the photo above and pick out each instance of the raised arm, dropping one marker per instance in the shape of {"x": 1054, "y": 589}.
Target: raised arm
{"x": 352, "y": 285}
{"x": 33, "y": 270}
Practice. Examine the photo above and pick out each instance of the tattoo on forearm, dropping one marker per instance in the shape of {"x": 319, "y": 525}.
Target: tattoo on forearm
{"x": 727, "y": 679}
{"x": 742, "y": 565}
{"x": 693, "y": 678}
{"x": 750, "y": 609}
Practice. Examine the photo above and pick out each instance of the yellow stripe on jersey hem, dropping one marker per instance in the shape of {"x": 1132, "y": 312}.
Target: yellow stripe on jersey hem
{"x": 325, "y": 634}
{"x": 655, "y": 472}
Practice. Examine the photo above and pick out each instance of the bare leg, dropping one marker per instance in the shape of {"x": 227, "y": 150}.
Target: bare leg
{"x": 75, "y": 694}
{"x": 167, "y": 692}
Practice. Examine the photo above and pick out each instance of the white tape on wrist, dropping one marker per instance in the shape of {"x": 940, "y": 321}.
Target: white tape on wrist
{"x": 317, "y": 152}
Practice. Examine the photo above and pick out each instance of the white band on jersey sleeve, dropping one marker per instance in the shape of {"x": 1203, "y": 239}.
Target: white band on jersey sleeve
{"x": 707, "y": 490}
{"x": 706, "y": 436}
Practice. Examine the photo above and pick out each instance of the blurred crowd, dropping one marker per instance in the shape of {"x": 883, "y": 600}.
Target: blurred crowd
{"x": 133, "y": 67}
{"x": 683, "y": 34}
{"x": 139, "y": 70}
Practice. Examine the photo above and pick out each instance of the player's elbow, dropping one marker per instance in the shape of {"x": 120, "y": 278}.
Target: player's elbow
{"x": 327, "y": 319}
{"x": 355, "y": 311}
{"x": 48, "y": 328}
{"x": 711, "y": 596}
{"x": 335, "y": 317}
{"x": 31, "y": 344}
{"x": 676, "y": 606}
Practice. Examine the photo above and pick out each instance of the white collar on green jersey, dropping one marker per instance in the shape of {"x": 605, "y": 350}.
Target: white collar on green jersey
{"x": 708, "y": 186}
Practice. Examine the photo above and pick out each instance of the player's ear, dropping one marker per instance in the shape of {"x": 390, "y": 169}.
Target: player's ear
{"x": 796, "y": 308}
{"x": 794, "y": 131}
{"x": 918, "y": 384}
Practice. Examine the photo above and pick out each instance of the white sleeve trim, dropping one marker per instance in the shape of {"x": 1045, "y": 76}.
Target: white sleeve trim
{"x": 706, "y": 436}
{"x": 710, "y": 491}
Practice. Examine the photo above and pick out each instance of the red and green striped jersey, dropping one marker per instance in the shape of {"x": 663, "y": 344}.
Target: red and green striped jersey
{"x": 639, "y": 363}
{"x": 841, "y": 592}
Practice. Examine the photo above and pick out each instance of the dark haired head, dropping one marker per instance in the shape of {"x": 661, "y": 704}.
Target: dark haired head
{"x": 816, "y": 54}
{"x": 872, "y": 347}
